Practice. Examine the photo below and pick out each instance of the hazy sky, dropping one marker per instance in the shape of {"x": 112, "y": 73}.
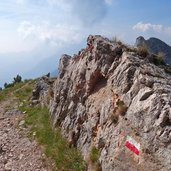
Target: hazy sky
{"x": 47, "y": 26}
{"x": 28, "y": 24}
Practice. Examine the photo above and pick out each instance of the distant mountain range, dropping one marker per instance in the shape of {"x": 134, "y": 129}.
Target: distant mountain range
{"x": 155, "y": 46}
{"x": 31, "y": 66}
{"x": 26, "y": 66}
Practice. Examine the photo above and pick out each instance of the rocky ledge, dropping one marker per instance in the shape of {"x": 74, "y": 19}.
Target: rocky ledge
{"x": 107, "y": 97}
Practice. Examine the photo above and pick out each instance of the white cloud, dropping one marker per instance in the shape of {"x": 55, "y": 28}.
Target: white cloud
{"x": 26, "y": 29}
{"x": 71, "y": 21}
{"x": 44, "y": 32}
{"x": 140, "y": 26}
{"x": 158, "y": 29}
{"x": 167, "y": 30}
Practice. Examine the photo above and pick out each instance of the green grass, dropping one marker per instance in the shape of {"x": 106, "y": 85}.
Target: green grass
{"x": 94, "y": 154}
{"x": 55, "y": 146}
{"x": 5, "y": 93}
{"x": 94, "y": 159}
{"x": 142, "y": 51}
{"x": 24, "y": 93}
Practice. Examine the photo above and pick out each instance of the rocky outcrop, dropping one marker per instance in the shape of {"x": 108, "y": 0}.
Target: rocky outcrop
{"x": 105, "y": 94}
{"x": 155, "y": 46}
{"x": 42, "y": 92}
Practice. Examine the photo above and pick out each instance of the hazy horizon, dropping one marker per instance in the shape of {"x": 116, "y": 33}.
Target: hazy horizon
{"x": 32, "y": 31}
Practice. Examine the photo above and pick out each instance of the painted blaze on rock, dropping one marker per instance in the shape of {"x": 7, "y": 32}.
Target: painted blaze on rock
{"x": 132, "y": 145}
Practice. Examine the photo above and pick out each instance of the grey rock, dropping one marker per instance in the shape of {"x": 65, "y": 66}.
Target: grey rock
{"x": 42, "y": 93}
{"x": 8, "y": 166}
{"x": 85, "y": 100}
{"x": 21, "y": 123}
{"x": 13, "y": 112}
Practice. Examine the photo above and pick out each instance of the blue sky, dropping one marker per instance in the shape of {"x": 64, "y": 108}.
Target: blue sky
{"x": 46, "y": 27}
{"x": 28, "y": 24}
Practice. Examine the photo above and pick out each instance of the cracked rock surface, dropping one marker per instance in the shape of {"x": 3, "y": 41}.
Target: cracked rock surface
{"x": 85, "y": 106}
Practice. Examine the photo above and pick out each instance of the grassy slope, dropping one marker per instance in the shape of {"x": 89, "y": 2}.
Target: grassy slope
{"x": 37, "y": 119}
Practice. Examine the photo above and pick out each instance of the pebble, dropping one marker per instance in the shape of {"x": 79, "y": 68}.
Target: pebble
{"x": 17, "y": 152}
{"x": 21, "y": 123}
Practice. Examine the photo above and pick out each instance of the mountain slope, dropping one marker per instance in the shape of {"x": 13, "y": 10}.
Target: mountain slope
{"x": 17, "y": 151}
{"x": 155, "y": 46}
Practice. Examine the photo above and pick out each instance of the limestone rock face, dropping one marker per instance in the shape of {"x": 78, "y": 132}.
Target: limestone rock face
{"x": 103, "y": 95}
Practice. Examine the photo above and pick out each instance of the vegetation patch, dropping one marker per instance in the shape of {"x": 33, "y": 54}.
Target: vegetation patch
{"x": 113, "y": 117}
{"x": 159, "y": 59}
{"x": 115, "y": 39}
{"x": 94, "y": 154}
{"x": 121, "y": 107}
{"x": 142, "y": 51}
{"x": 3, "y": 94}
{"x": 55, "y": 146}
{"x": 94, "y": 158}
{"x": 8, "y": 91}
{"x": 24, "y": 93}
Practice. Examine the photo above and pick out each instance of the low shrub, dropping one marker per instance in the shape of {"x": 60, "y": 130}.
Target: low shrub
{"x": 159, "y": 59}
{"x": 121, "y": 108}
{"x": 142, "y": 50}
{"x": 116, "y": 40}
{"x": 114, "y": 117}
{"x": 94, "y": 154}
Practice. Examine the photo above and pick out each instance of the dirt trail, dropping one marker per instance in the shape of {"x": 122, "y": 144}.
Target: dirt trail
{"x": 17, "y": 152}
{"x": 3, "y": 105}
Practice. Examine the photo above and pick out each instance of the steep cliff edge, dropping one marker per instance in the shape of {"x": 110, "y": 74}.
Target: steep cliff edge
{"x": 106, "y": 96}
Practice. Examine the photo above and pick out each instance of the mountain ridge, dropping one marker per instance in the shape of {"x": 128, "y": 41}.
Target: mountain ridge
{"x": 155, "y": 46}
{"x": 106, "y": 95}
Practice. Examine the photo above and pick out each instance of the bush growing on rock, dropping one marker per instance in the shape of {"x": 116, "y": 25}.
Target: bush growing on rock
{"x": 167, "y": 69}
{"x": 116, "y": 40}
{"x": 160, "y": 57}
{"x": 6, "y": 85}
{"x": 17, "y": 79}
{"x": 121, "y": 109}
{"x": 142, "y": 50}
{"x": 113, "y": 117}
{"x": 94, "y": 154}
{"x": 94, "y": 158}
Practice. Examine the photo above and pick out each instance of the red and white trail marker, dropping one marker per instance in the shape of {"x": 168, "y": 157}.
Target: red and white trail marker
{"x": 132, "y": 145}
